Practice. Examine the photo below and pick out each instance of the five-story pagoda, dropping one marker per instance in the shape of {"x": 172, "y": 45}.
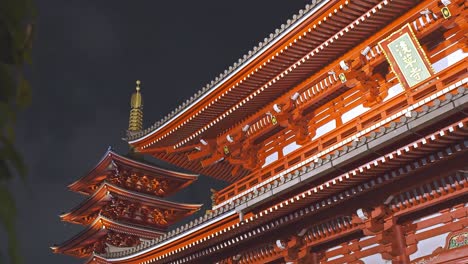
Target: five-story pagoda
{"x": 125, "y": 204}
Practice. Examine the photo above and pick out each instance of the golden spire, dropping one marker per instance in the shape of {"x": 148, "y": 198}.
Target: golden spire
{"x": 136, "y": 112}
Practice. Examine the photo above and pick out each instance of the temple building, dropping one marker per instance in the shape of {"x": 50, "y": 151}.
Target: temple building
{"x": 343, "y": 136}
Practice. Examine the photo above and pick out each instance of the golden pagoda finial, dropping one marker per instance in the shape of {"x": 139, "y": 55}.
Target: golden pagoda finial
{"x": 136, "y": 112}
{"x": 138, "y": 85}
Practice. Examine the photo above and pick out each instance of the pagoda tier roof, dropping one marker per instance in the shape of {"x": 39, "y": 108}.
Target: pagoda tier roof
{"x": 317, "y": 36}
{"x": 97, "y": 230}
{"x": 94, "y": 203}
{"x": 112, "y": 161}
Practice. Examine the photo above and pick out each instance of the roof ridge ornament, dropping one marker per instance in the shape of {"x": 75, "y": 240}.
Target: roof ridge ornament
{"x": 138, "y": 85}
{"x": 135, "y": 123}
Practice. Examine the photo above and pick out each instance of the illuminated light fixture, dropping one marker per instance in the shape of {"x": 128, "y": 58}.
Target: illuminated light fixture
{"x": 280, "y": 244}
{"x": 344, "y": 66}
{"x": 388, "y": 200}
{"x": 246, "y": 128}
{"x": 365, "y": 51}
{"x": 361, "y": 214}
{"x": 229, "y": 138}
{"x": 203, "y": 142}
{"x": 295, "y": 96}
{"x": 277, "y": 108}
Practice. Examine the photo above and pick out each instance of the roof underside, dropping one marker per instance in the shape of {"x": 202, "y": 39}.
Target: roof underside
{"x": 107, "y": 191}
{"x": 427, "y": 149}
{"x": 112, "y": 161}
{"x": 270, "y": 71}
{"x": 99, "y": 229}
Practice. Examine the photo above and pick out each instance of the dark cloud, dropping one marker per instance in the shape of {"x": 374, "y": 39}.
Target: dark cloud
{"x": 87, "y": 56}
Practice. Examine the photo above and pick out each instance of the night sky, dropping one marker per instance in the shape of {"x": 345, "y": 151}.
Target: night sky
{"x": 87, "y": 56}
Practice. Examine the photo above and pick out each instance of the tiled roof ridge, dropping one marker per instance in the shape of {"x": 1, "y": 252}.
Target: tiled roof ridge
{"x": 461, "y": 92}
{"x": 236, "y": 65}
{"x": 110, "y": 153}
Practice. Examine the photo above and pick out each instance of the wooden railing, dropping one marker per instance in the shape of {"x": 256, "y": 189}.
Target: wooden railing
{"x": 345, "y": 132}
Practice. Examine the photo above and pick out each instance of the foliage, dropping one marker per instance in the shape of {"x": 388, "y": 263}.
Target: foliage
{"x": 16, "y": 31}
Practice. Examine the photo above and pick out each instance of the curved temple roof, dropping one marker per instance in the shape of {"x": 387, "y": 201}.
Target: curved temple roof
{"x": 98, "y": 229}
{"x": 105, "y": 193}
{"x": 232, "y": 70}
{"x": 290, "y": 63}
{"x": 111, "y": 159}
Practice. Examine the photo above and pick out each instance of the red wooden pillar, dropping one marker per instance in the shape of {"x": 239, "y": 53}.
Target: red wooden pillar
{"x": 399, "y": 246}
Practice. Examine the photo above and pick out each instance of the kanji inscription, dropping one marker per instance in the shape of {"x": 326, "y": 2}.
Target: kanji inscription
{"x": 406, "y": 57}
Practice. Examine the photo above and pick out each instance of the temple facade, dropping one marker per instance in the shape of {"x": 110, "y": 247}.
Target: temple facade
{"x": 343, "y": 136}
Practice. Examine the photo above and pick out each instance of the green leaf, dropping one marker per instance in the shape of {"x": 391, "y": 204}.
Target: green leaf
{"x": 9, "y": 153}
{"x": 16, "y": 34}
{"x": 5, "y": 115}
{"x": 23, "y": 98}
{"x": 27, "y": 56}
{"x": 10, "y": 133}
{"x": 7, "y": 83}
{"x": 7, "y": 218}
{"x": 5, "y": 173}
{"x": 7, "y": 206}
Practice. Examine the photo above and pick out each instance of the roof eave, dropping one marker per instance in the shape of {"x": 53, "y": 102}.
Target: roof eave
{"x": 76, "y": 186}
{"x": 228, "y": 77}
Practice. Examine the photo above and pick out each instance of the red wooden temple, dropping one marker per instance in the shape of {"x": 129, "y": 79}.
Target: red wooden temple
{"x": 344, "y": 138}
{"x": 125, "y": 205}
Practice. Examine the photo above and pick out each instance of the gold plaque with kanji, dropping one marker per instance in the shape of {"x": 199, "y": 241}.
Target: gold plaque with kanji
{"x": 406, "y": 57}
